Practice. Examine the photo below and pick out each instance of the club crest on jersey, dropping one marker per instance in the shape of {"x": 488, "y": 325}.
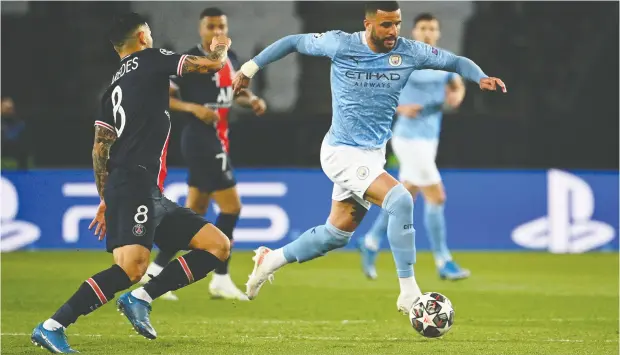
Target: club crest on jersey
{"x": 139, "y": 230}
{"x": 166, "y": 52}
{"x": 395, "y": 60}
{"x": 362, "y": 172}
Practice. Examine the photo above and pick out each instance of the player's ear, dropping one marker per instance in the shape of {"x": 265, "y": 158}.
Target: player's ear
{"x": 142, "y": 38}
{"x": 367, "y": 24}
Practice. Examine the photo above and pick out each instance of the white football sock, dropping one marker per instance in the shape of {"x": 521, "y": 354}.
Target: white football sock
{"x": 51, "y": 325}
{"x": 408, "y": 285}
{"x": 154, "y": 269}
{"x": 141, "y": 294}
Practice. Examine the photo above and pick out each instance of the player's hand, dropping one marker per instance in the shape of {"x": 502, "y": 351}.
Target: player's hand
{"x": 410, "y": 111}
{"x": 491, "y": 84}
{"x": 218, "y": 40}
{"x": 240, "y": 82}
{"x": 258, "y": 105}
{"x": 205, "y": 114}
{"x": 99, "y": 221}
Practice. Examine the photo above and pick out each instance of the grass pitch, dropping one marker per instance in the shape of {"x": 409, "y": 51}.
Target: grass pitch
{"x": 515, "y": 303}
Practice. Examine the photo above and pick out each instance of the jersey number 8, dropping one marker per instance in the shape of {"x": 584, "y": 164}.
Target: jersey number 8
{"x": 117, "y": 110}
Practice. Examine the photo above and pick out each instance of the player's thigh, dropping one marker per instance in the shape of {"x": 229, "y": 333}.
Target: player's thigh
{"x": 379, "y": 188}
{"x": 197, "y": 201}
{"x": 133, "y": 211}
{"x": 352, "y": 170}
{"x": 227, "y": 200}
{"x": 434, "y": 193}
{"x": 183, "y": 229}
{"x": 347, "y": 215}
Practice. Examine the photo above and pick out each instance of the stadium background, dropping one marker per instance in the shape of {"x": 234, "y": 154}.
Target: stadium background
{"x": 529, "y": 175}
{"x": 497, "y": 151}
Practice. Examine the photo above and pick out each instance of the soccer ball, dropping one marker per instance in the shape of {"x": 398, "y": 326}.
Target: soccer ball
{"x": 432, "y": 315}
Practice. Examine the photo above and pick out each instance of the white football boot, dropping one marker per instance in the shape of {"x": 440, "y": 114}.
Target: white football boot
{"x": 260, "y": 274}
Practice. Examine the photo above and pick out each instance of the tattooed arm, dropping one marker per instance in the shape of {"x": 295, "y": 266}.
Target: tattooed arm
{"x": 104, "y": 138}
{"x": 212, "y": 62}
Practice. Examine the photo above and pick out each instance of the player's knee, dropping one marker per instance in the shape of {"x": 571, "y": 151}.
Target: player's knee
{"x": 398, "y": 200}
{"x": 212, "y": 240}
{"x": 135, "y": 269}
{"x": 234, "y": 209}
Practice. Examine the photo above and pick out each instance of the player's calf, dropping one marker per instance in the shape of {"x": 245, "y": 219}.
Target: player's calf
{"x": 210, "y": 248}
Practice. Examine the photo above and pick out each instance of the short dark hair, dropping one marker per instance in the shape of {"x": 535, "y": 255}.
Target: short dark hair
{"x": 425, "y": 16}
{"x": 372, "y": 7}
{"x": 211, "y": 12}
{"x": 123, "y": 26}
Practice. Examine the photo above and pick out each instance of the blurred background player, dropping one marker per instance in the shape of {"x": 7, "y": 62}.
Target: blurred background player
{"x": 368, "y": 71}
{"x": 205, "y": 145}
{"x": 415, "y": 141}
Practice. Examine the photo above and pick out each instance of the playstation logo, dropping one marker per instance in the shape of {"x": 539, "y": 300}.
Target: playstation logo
{"x": 14, "y": 234}
{"x": 568, "y": 227}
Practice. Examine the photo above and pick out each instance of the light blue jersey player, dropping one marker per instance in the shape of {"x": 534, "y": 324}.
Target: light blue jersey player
{"x": 368, "y": 71}
{"x": 415, "y": 141}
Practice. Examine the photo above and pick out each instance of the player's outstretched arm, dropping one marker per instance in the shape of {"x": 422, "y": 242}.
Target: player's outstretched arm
{"x": 104, "y": 138}
{"x": 434, "y": 58}
{"x": 210, "y": 63}
{"x": 314, "y": 44}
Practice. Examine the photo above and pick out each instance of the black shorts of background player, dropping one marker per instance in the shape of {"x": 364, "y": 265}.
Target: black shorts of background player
{"x": 129, "y": 159}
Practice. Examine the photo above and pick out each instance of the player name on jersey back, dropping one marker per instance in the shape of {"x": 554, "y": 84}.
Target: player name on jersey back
{"x": 125, "y": 68}
{"x": 136, "y": 106}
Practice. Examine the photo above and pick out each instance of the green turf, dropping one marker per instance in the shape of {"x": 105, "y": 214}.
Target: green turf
{"x": 515, "y": 303}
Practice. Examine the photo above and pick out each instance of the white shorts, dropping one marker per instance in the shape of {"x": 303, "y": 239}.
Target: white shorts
{"x": 352, "y": 170}
{"x": 417, "y": 161}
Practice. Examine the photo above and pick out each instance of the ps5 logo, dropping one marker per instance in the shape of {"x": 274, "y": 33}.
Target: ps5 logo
{"x": 568, "y": 227}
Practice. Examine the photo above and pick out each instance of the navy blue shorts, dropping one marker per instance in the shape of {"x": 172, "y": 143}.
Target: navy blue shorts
{"x": 138, "y": 213}
{"x": 209, "y": 165}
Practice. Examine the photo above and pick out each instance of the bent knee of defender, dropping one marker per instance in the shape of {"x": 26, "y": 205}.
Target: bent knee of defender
{"x": 134, "y": 268}
{"x": 133, "y": 259}
{"x": 212, "y": 240}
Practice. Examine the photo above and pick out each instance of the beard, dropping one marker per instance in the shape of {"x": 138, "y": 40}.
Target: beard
{"x": 380, "y": 42}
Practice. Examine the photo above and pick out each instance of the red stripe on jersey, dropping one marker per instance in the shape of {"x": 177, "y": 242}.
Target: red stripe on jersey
{"x": 224, "y": 80}
{"x": 97, "y": 290}
{"x": 103, "y": 124}
{"x": 163, "y": 170}
{"x": 180, "y": 66}
{"x": 185, "y": 267}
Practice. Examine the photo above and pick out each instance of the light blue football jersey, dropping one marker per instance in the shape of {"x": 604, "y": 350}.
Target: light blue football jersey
{"x": 365, "y": 85}
{"x": 426, "y": 88}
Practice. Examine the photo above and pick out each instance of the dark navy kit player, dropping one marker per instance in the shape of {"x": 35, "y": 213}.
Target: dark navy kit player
{"x": 206, "y": 101}
{"x": 129, "y": 159}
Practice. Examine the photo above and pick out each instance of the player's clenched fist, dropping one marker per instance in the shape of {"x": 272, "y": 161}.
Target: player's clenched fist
{"x": 219, "y": 40}
{"x": 491, "y": 84}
